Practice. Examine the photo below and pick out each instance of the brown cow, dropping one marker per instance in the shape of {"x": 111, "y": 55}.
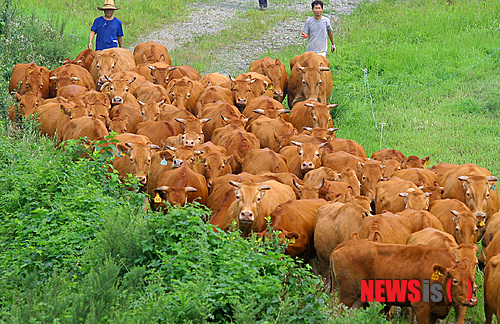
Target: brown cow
{"x": 336, "y": 191}
{"x": 491, "y": 289}
{"x": 213, "y": 112}
{"x": 463, "y": 253}
{"x": 457, "y": 219}
{"x": 492, "y": 226}
{"x": 129, "y": 113}
{"x": 259, "y": 160}
{"x": 276, "y": 72}
{"x": 385, "y": 228}
{"x": 473, "y": 185}
{"x": 84, "y": 59}
{"x": 71, "y": 91}
{"x": 420, "y": 177}
{"x": 157, "y": 132}
{"x": 184, "y": 93}
{"x": 178, "y": 72}
{"x": 388, "y": 154}
{"x": 261, "y": 84}
{"x": 339, "y": 161}
{"x": 231, "y": 125}
{"x": 442, "y": 168}
{"x": 150, "y": 92}
{"x": 239, "y": 142}
{"x": 151, "y": 52}
{"x": 335, "y": 223}
{"x": 349, "y": 146}
{"x": 391, "y": 165}
{"x": 421, "y": 219}
{"x": 302, "y": 158}
{"x": 213, "y": 94}
{"x": 118, "y": 91}
{"x": 358, "y": 260}
{"x": 90, "y": 127}
{"x": 311, "y": 114}
{"x": 178, "y": 117}
{"x": 29, "y": 78}
{"x": 213, "y": 79}
{"x": 263, "y": 105}
{"x": 109, "y": 61}
{"x": 348, "y": 176}
{"x": 302, "y": 190}
{"x": 316, "y": 175}
{"x": 294, "y": 220}
{"x": 150, "y": 110}
{"x": 54, "y": 117}
{"x": 154, "y": 72}
{"x": 492, "y": 248}
{"x": 214, "y": 165}
{"x": 267, "y": 129}
{"x": 310, "y": 79}
{"x": 69, "y": 74}
{"x": 133, "y": 157}
{"x": 415, "y": 162}
{"x": 397, "y": 194}
{"x": 178, "y": 187}
{"x": 28, "y": 102}
{"x": 254, "y": 201}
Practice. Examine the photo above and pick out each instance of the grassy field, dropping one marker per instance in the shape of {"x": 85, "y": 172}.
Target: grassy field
{"x": 427, "y": 69}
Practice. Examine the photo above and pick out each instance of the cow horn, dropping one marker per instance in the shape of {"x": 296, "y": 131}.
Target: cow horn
{"x": 162, "y": 188}
{"x": 492, "y": 178}
{"x": 332, "y": 106}
{"x": 403, "y": 194}
{"x": 107, "y": 78}
{"x": 264, "y": 187}
{"x": 151, "y": 67}
{"x": 129, "y": 144}
{"x": 296, "y": 184}
{"x": 463, "y": 178}
{"x": 454, "y": 212}
{"x": 74, "y": 79}
{"x": 321, "y": 183}
{"x": 308, "y": 104}
{"x": 180, "y": 120}
{"x": 54, "y": 77}
{"x": 104, "y": 85}
{"x": 154, "y": 146}
{"x": 296, "y": 143}
{"x": 284, "y": 111}
{"x": 301, "y": 68}
{"x": 307, "y": 128}
{"x": 259, "y": 111}
{"x": 141, "y": 103}
{"x": 332, "y": 129}
{"x": 322, "y": 144}
{"x": 132, "y": 80}
{"x": 204, "y": 120}
{"x": 224, "y": 118}
{"x": 324, "y": 68}
{"x": 234, "y": 183}
{"x": 190, "y": 189}
{"x": 171, "y": 148}
{"x": 251, "y": 80}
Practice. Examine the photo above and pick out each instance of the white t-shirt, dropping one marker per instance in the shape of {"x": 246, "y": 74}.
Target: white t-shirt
{"x": 318, "y": 34}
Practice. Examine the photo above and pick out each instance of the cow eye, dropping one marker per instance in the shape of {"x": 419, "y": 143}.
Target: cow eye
{"x": 132, "y": 160}
{"x": 111, "y": 88}
{"x": 238, "y": 197}
{"x": 98, "y": 66}
{"x": 112, "y": 67}
{"x": 303, "y": 81}
{"x": 456, "y": 282}
{"x": 206, "y": 165}
{"x": 363, "y": 178}
{"x": 126, "y": 90}
{"x": 173, "y": 95}
{"x": 188, "y": 95}
{"x": 149, "y": 161}
{"x": 319, "y": 82}
{"x": 154, "y": 80}
{"x": 258, "y": 199}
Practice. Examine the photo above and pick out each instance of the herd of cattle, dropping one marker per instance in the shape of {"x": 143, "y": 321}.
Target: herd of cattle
{"x": 230, "y": 144}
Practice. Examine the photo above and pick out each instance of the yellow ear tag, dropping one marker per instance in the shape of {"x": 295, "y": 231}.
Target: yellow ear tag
{"x": 157, "y": 198}
{"x": 271, "y": 87}
{"x": 120, "y": 154}
{"x": 86, "y": 146}
{"x": 482, "y": 223}
{"x": 31, "y": 71}
{"x": 436, "y": 274}
{"x": 292, "y": 240}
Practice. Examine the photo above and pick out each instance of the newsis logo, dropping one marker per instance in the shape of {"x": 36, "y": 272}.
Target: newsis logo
{"x": 401, "y": 291}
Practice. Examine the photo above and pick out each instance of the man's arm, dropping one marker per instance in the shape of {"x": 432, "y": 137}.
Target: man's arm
{"x": 91, "y": 38}
{"x": 330, "y": 35}
{"x": 120, "y": 41}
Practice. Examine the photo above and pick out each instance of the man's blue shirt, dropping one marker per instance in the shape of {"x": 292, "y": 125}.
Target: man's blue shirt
{"x": 107, "y": 32}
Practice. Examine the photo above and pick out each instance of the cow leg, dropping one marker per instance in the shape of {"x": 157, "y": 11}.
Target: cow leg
{"x": 460, "y": 314}
{"x": 357, "y": 304}
{"x": 488, "y": 313}
{"x": 423, "y": 313}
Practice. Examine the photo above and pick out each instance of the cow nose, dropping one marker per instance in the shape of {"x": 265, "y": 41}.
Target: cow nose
{"x": 190, "y": 143}
{"x": 480, "y": 214}
{"x": 142, "y": 179}
{"x": 117, "y": 100}
{"x": 242, "y": 101}
{"x": 307, "y": 165}
{"x": 177, "y": 163}
{"x": 209, "y": 184}
{"x": 246, "y": 216}
{"x": 278, "y": 93}
{"x": 474, "y": 289}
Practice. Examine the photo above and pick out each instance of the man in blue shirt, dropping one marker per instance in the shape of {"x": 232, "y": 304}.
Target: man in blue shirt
{"x": 108, "y": 29}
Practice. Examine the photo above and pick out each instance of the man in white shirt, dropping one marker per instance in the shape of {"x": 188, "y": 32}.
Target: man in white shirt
{"x": 318, "y": 29}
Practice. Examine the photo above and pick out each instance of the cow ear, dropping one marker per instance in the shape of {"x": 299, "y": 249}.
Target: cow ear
{"x": 123, "y": 148}
{"x": 355, "y": 236}
{"x": 292, "y": 236}
{"x": 439, "y": 270}
{"x": 377, "y": 237}
{"x": 234, "y": 183}
{"x": 426, "y": 161}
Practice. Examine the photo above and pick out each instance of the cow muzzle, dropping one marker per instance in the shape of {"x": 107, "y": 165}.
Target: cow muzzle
{"x": 241, "y": 101}
{"x": 177, "y": 163}
{"x": 117, "y": 100}
{"x": 246, "y": 216}
{"x": 278, "y": 93}
{"x": 142, "y": 179}
{"x": 307, "y": 166}
{"x": 472, "y": 303}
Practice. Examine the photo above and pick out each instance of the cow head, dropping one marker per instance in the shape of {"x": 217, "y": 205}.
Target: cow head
{"x": 311, "y": 80}
{"x": 371, "y": 173}
{"x": 215, "y": 165}
{"x": 241, "y": 91}
{"x": 176, "y": 196}
{"x": 477, "y": 191}
{"x": 140, "y": 158}
{"x": 27, "y": 104}
{"x": 309, "y": 156}
{"x": 460, "y": 277}
{"x": 183, "y": 155}
{"x": 105, "y": 64}
{"x": 415, "y": 162}
{"x": 325, "y": 133}
{"x": 119, "y": 124}
{"x": 248, "y": 198}
{"x": 159, "y": 74}
{"x": 305, "y": 191}
{"x": 180, "y": 92}
{"x": 63, "y": 79}
{"x": 415, "y": 199}
{"x": 349, "y": 177}
{"x": 117, "y": 89}
{"x": 319, "y": 114}
{"x": 391, "y": 165}
{"x": 34, "y": 78}
{"x": 273, "y": 70}
{"x": 151, "y": 110}
{"x": 465, "y": 226}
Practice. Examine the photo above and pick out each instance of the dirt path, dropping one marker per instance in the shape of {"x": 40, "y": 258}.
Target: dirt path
{"x": 211, "y": 18}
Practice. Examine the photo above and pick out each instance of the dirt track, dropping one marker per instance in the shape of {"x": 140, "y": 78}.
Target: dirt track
{"x": 214, "y": 17}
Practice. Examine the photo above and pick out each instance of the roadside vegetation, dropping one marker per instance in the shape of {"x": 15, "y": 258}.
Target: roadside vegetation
{"x": 78, "y": 247}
